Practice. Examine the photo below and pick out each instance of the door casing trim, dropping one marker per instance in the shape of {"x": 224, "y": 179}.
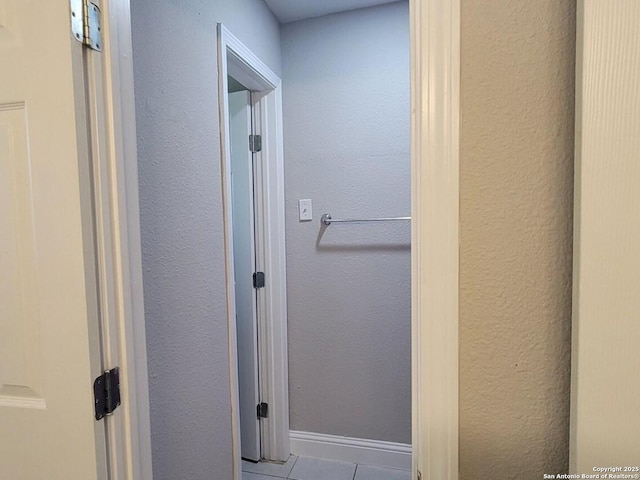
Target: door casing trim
{"x": 237, "y": 60}
{"x": 115, "y": 179}
{"x": 435, "y": 186}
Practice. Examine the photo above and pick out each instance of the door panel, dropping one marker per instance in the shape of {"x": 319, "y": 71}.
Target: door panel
{"x": 244, "y": 267}
{"x": 46, "y": 405}
{"x": 20, "y": 349}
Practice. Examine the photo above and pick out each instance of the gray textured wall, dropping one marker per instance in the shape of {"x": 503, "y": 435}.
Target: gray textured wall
{"x": 346, "y": 133}
{"x": 516, "y": 236}
{"x": 175, "y": 67}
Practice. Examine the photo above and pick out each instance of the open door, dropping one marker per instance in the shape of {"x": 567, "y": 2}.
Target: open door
{"x": 244, "y": 261}
{"x": 49, "y": 330}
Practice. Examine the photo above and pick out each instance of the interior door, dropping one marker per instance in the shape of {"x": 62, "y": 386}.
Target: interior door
{"x": 605, "y": 403}
{"x": 49, "y": 345}
{"x": 242, "y": 191}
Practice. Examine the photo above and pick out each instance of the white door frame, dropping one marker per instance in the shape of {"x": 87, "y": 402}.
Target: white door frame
{"x": 238, "y": 61}
{"x": 118, "y": 248}
{"x": 435, "y": 185}
{"x": 435, "y": 86}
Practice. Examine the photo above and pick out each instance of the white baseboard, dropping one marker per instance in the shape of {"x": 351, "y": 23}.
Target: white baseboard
{"x": 354, "y": 450}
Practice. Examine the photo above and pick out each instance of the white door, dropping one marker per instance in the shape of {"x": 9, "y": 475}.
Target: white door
{"x": 605, "y": 391}
{"x": 244, "y": 261}
{"x": 48, "y": 320}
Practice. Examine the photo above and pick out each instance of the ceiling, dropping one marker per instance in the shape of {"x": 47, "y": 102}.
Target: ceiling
{"x": 292, "y": 10}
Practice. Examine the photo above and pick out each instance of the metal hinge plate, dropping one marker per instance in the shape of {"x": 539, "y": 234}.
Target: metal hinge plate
{"x": 106, "y": 392}
{"x": 85, "y": 23}
{"x": 258, "y": 280}
{"x": 255, "y": 143}
{"x": 263, "y": 410}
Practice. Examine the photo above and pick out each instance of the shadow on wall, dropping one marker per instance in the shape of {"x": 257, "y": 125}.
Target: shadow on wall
{"x": 359, "y": 247}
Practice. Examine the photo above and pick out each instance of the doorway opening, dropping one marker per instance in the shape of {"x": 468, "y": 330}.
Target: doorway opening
{"x": 348, "y": 149}
{"x": 247, "y": 277}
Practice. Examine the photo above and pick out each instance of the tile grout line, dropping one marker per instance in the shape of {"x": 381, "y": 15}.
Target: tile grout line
{"x": 292, "y": 467}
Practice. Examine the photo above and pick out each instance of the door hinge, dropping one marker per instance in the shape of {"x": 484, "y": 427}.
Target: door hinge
{"x": 85, "y": 23}
{"x": 255, "y": 143}
{"x": 258, "y": 280}
{"x": 263, "y": 410}
{"x": 106, "y": 392}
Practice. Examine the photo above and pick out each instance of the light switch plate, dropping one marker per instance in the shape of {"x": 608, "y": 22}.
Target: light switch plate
{"x": 304, "y": 210}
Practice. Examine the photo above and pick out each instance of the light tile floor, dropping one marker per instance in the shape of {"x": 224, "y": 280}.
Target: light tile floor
{"x": 306, "y": 468}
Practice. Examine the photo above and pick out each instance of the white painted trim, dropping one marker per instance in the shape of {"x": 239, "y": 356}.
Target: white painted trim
{"x": 119, "y": 247}
{"x": 435, "y": 99}
{"x": 234, "y": 58}
{"x": 272, "y": 300}
{"x": 353, "y": 450}
{"x": 225, "y": 152}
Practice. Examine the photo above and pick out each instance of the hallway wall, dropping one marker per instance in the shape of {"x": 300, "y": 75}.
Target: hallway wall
{"x": 347, "y": 147}
{"x": 175, "y": 67}
{"x": 516, "y": 208}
